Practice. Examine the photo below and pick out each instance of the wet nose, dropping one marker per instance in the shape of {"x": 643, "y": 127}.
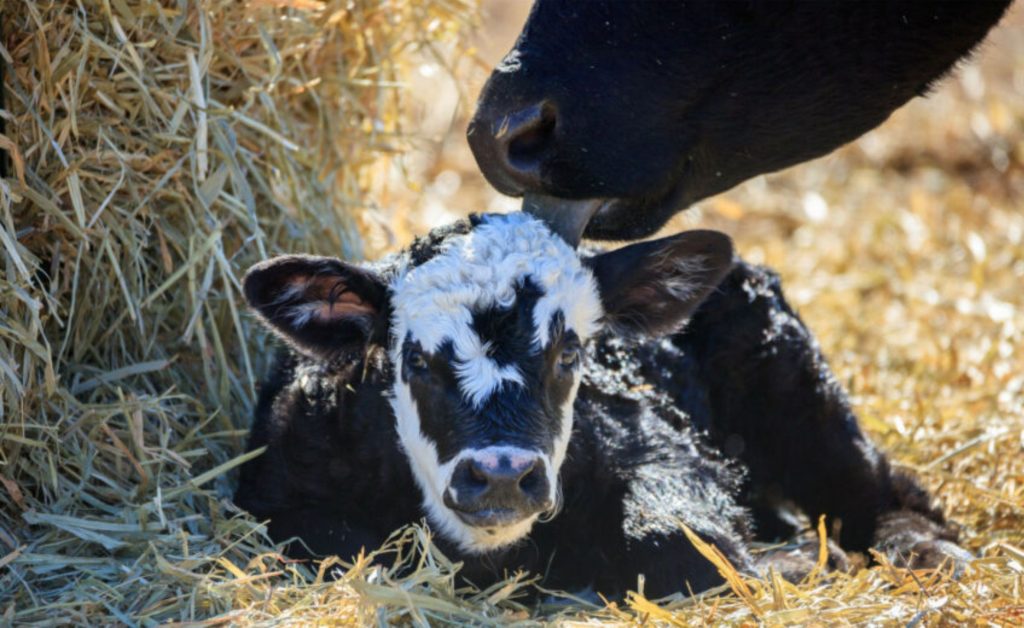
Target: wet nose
{"x": 511, "y": 146}
{"x": 515, "y": 487}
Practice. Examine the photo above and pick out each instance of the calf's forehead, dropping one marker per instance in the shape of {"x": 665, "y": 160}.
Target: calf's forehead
{"x": 436, "y": 301}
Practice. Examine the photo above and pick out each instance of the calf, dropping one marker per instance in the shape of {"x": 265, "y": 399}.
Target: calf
{"x": 540, "y": 409}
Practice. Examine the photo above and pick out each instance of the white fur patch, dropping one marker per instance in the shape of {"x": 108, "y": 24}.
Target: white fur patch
{"x": 491, "y": 457}
{"x": 478, "y": 374}
{"x": 562, "y": 442}
{"x": 306, "y": 310}
{"x": 431, "y": 476}
{"x": 434, "y": 302}
{"x": 300, "y": 315}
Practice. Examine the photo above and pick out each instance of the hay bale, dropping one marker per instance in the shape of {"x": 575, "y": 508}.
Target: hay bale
{"x": 152, "y": 151}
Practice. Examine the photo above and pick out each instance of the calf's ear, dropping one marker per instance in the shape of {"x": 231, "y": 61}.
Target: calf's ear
{"x": 322, "y": 306}
{"x": 651, "y": 288}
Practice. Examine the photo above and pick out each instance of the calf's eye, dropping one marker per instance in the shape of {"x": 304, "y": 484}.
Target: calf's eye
{"x": 416, "y": 361}
{"x": 569, "y": 357}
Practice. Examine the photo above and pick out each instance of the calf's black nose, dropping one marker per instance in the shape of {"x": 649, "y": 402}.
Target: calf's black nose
{"x": 486, "y": 494}
{"x": 510, "y": 146}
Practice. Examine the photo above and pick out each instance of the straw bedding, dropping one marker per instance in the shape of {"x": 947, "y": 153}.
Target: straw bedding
{"x": 154, "y": 150}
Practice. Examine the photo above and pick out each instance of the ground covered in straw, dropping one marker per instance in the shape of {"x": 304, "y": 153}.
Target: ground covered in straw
{"x": 157, "y": 149}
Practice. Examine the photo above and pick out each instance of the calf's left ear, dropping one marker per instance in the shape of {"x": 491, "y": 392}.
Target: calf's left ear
{"x": 652, "y": 287}
{"x": 322, "y": 306}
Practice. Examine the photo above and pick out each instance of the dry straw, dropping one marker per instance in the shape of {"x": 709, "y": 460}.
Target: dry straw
{"x": 154, "y": 149}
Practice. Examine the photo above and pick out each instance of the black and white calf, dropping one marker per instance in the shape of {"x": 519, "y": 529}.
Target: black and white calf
{"x": 540, "y": 409}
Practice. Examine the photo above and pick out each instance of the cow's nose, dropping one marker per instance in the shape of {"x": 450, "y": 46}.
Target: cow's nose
{"x": 511, "y": 146}
{"x": 498, "y": 491}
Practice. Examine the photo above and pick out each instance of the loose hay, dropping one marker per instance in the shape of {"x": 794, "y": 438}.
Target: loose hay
{"x": 156, "y": 150}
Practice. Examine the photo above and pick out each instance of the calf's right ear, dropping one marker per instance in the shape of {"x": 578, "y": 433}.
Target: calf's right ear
{"x": 322, "y": 306}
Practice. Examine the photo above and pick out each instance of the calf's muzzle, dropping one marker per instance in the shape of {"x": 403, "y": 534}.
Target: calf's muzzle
{"x": 491, "y": 489}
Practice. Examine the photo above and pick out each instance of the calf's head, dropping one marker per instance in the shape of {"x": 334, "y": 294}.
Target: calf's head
{"x": 484, "y": 328}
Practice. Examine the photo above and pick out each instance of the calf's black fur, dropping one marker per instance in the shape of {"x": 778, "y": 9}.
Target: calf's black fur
{"x": 715, "y": 427}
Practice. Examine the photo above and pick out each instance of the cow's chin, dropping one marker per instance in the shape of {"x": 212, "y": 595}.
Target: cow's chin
{"x": 634, "y": 218}
{"x": 609, "y": 218}
{"x": 631, "y": 219}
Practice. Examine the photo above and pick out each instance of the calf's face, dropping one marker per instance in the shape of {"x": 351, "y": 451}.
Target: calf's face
{"x": 485, "y": 341}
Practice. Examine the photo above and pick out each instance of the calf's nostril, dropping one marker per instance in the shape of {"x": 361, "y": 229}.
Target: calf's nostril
{"x": 529, "y": 480}
{"x": 477, "y": 475}
{"x": 533, "y": 483}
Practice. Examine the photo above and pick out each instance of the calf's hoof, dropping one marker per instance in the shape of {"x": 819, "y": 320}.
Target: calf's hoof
{"x": 914, "y": 541}
{"x": 797, "y": 560}
{"x": 935, "y": 554}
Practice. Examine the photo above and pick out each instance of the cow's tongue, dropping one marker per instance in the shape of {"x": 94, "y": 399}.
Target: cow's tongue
{"x": 566, "y": 217}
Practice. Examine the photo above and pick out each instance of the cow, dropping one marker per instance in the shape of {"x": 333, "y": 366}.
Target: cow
{"x": 561, "y": 411}
{"x": 653, "y": 106}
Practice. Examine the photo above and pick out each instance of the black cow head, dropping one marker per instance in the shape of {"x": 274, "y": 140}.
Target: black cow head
{"x": 652, "y": 106}
{"x": 485, "y": 339}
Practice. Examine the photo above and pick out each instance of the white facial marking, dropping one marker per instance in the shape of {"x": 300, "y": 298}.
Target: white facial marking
{"x": 478, "y": 374}
{"x": 562, "y": 442}
{"x": 433, "y": 303}
{"x": 490, "y": 458}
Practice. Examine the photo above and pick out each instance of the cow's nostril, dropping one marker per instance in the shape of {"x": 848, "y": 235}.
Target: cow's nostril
{"x": 512, "y": 143}
{"x": 528, "y": 141}
{"x": 525, "y": 137}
